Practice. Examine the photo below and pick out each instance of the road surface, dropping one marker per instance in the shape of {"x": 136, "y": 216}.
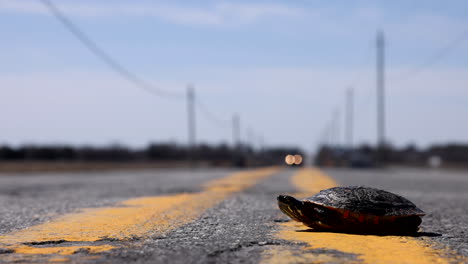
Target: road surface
{"x": 217, "y": 216}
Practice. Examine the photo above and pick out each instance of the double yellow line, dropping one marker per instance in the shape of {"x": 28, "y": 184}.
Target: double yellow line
{"x": 102, "y": 229}
{"x": 135, "y": 218}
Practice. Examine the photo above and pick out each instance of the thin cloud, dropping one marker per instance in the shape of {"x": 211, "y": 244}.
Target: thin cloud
{"x": 222, "y": 13}
{"x": 328, "y": 20}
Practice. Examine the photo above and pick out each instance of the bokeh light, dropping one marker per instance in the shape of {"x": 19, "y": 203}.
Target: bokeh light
{"x": 297, "y": 159}
{"x": 289, "y": 159}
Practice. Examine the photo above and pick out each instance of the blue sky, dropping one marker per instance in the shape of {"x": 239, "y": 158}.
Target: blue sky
{"x": 282, "y": 65}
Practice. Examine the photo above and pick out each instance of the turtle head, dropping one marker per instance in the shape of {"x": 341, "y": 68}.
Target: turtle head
{"x": 291, "y": 207}
{"x": 312, "y": 215}
{"x": 286, "y": 199}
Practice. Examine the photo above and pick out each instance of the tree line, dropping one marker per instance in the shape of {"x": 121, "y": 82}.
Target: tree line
{"x": 152, "y": 152}
{"x": 366, "y": 155}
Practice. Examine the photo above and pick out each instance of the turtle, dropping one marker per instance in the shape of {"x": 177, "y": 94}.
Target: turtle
{"x": 354, "y": 209}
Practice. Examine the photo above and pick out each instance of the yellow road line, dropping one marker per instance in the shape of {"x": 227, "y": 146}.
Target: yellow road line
{"x": 140, "y": 217}
{"x": 367, "y": 248}
{"x": 309, "y": 181}
{"x": 61, "y": 250}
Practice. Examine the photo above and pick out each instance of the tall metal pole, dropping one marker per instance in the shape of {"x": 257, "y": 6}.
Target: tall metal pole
{"x": 250, "y": 138}
{"x": 191, "y": 123}
{"x": 336, "y": 127}
{"x": 349, "y": 117}
{"x": 329, "y": 133}
{"x": 236, "y": 142}
{"x": 261, "y": 142}
{"x": 380, "y": 64}
{"x": 236, "y": 131}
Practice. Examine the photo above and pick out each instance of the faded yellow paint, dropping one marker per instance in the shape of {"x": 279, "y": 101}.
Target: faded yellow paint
{"x": 62, "y": 250}
{"x": 134, "y": 218}
{"x": 366, "y": 248}
{"x": 129, "y": 219}
{"x": 283, "y": 255}
{"x": 309, "y": 181}
{"x": 59, "y": 260}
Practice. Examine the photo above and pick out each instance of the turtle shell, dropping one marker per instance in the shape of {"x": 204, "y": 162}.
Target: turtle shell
{"x": 365, "y": 200}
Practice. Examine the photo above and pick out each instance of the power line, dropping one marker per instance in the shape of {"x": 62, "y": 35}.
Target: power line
{"x": 365, "y": 59}
{"x": 105, "y": 57}
{"x": 434, "y": 58}
{"x": 211, "y": 116}
{"x": 133, "y": 78}
{"x": 356, "y": 78}
{"x": 438, "y": 55}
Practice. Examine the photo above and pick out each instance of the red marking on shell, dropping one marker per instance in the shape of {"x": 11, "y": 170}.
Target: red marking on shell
{"x": 392, "y": 219}
{"x": 346, "y": 214}
{"x": 376, "y": 220}
{"x": 361, "y": 218}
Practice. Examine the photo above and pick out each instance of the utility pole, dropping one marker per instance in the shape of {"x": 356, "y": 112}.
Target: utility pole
{"x": 336, "y": 127}
{"x": 250, "y": 138}
{"x": 323, "y": 140}
{"x": 238, "y": 157}
{"x": 329, "y": 134}
{"x": 261, "y": 145}
{"x": 191, "y": 124}
{"x": 349, "y": 117}
{"x": 380, "y": 68}
{"x": 261, "y": 142}
{"x": 236, "y": 131}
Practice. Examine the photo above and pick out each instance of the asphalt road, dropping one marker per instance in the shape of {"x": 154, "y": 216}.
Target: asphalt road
{"x": 441, "y": 194}
{"x": 214, "y": 216}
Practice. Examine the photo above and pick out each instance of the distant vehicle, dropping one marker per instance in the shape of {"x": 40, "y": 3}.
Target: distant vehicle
{"x": 294, "y": 160}
{"x": 360, "y": 160}
{"x": 342, "y": 157}
{"x": 434, "y": 161}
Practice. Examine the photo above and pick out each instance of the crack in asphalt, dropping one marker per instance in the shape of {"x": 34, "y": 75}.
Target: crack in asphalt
{"x": 241, "y": 246}
{"x": 6, "y": 251}
{"x": 49, "y": 242}
{"x": 112, "y": 239}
